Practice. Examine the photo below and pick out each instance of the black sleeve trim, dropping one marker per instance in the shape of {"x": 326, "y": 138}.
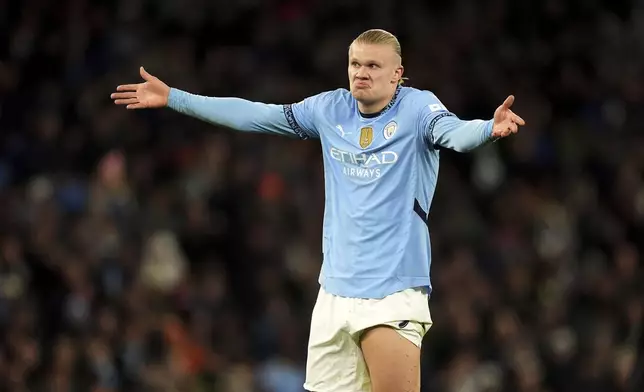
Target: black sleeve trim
{"x": 432, "y": 124}
{"x": 290, "y": 117}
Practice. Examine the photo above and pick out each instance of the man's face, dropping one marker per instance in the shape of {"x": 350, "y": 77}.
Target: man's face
{"x": 374, "y": 72}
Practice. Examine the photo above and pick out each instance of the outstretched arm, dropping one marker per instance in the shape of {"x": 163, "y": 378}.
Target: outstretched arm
{"x": 460, "y": 135}
{"x": 444, "y": 129}
{"x": 234, "y": 113}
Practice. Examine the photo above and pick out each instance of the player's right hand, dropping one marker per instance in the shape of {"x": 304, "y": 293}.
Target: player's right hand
{"x": 153, "y": 93}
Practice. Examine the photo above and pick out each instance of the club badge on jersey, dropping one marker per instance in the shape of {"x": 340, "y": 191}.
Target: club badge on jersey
{"x": 390, "y": 129}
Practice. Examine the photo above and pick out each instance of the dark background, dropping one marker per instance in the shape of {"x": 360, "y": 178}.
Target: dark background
{"x": 148, "y": 251}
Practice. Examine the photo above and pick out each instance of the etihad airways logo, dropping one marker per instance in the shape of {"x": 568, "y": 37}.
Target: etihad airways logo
{"x": 363, "y": 165}
{"x": 364, "y": 159}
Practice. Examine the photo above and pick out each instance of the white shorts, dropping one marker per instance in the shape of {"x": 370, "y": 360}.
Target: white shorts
{"x": 335, "y": 362}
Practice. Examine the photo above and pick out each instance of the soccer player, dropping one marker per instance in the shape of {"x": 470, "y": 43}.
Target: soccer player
{"x": 380, "y": 147}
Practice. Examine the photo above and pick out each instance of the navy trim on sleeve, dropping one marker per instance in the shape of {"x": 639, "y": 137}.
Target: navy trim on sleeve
{"x": 290, "y": 117}
{"x": 432, "y": 124}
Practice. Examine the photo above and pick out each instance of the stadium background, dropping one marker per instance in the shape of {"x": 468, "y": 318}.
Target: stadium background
{"x": 148, "y": 251}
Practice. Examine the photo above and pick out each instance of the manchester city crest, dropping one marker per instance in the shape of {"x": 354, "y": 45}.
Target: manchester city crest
{"x": 390, "y": 130}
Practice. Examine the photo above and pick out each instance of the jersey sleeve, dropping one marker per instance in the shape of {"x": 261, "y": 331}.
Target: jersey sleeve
{"x": 441, "y": 128}
{"x": 302, "y": 116}
{"x": 239, "y": 114}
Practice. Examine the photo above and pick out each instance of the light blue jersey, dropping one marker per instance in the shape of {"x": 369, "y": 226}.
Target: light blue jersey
{"x": 380, "y": 175}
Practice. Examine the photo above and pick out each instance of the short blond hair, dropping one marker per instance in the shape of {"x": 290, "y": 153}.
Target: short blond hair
{"x": 380, "y": 37}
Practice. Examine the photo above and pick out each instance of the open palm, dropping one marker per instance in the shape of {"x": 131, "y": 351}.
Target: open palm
{"x": 505, "y": 121}
{"x": 153, "y": 93}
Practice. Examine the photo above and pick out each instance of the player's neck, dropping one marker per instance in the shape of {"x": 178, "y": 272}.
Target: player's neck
{"x": 375, "y": 108}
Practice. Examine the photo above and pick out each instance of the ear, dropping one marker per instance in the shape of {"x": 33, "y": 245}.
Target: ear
{"x": 398, "y": 74}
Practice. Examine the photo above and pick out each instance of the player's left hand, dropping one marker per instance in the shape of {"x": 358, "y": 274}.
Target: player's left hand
{"x": 505, "y": 121}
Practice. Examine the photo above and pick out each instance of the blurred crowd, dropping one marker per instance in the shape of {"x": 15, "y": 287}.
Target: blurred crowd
{"x": 146, "y": 251}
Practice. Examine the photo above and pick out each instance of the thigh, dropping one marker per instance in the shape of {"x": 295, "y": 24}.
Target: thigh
{"x": 336, "y": 364}
{"x": 392, "y": 360}
{"x": 334, "y": 359}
